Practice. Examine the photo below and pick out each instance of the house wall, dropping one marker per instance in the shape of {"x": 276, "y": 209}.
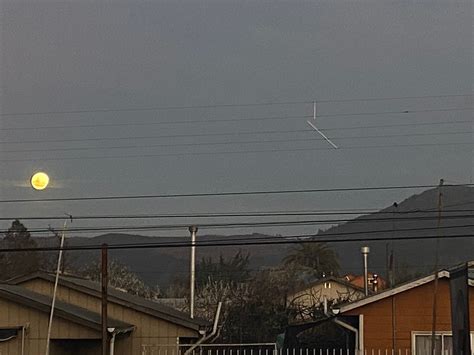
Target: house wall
{"x": 315, "y": 295}
{"x": 149, "y": 330}
{"x": 14, "y": 315}
{"x": 409, "y": 311}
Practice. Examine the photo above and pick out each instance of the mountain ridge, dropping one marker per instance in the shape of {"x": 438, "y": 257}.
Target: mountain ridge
{"x": 161, "y": 266}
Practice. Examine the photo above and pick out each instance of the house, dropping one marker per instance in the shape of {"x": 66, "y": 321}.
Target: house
{"x": 401, "y": 318}
{"x": 374, "y": 281}
{"x": 154, "y": 324}
{"x": 327, "y": 290}
{"x": 24, "y": 317}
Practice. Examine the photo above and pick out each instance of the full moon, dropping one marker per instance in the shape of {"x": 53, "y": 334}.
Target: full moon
{"x": 40, "y": 180}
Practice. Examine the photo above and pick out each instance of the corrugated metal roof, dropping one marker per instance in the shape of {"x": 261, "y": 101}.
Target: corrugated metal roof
{"x": 135, "y": 302}
{"x": 65, "y": 310}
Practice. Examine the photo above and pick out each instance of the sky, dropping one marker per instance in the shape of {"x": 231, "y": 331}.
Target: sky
{"x": 77, "y": 79}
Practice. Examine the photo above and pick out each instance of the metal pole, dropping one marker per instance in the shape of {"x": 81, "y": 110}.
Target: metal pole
{"x": 193, "y": 231}
{"x": 365, "y": 252}
{"x": 58, "y": 270}
{"x": 104, "y": 283}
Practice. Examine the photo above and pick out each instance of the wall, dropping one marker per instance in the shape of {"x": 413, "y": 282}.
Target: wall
{"x": 149, "y": 330}
{"x": 315, "y": 295}
{"x": 409, "y": 311}
{"x": 13, "y": 314}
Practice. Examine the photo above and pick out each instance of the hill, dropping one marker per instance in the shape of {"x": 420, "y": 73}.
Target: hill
{"x": 161, "y": 266}
{"x": 417, "y": 216}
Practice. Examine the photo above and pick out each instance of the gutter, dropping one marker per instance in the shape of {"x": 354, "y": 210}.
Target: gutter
{"x": 351, "y": 328}
{"x": 333, "y": 316}
{"x": 206, "y": 337}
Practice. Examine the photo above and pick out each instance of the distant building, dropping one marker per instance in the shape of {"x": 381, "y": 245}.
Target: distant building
{"x": 375, "y": 282}
{"x": 329, "y": 290}
{"x": 136, "y": 325}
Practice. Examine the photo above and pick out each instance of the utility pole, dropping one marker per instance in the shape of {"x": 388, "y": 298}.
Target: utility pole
{"x": 56, "y": 280}
{"x": 193, "y": 230}
{"x": 435, "y": 288}
{"x": 104, "y": 284}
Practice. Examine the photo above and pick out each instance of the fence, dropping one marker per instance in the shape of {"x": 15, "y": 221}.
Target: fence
{"x": 212, "y": 349}
{"x": 271, "y": 349}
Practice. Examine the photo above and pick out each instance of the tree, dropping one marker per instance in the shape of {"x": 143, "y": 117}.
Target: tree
{"x": 121, "y": 277}
{"x": 313, "y": 259}
{"x": 224, "y": 280}
{"x": 262, "y": 314}
{"x": 49, "y": 259}
{"x": 229, "y": 271}
{"x": 18, "y": 263}
{"x": 233, "y": 270}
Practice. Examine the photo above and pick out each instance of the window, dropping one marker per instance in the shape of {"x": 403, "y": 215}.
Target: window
{"x": 421, "y": 343}
{"x": 7, "y": 334}
{"x": 327, "y": 285}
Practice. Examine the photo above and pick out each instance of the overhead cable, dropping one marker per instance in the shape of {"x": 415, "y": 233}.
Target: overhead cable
{"x": 230, "y": 193}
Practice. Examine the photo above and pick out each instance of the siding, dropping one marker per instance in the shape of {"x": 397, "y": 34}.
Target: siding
{"x": 412, "y": 312}
{"x": 149, "y": 330}
{"x": 13, "y": 314}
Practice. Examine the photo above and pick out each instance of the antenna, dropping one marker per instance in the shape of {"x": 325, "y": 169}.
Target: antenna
{"x": 313, "y": 125}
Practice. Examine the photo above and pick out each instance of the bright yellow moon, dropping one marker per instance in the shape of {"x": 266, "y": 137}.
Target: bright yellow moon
{"x": 40, "y": 180}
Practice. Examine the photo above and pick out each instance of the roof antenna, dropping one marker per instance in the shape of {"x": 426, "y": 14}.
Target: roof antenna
{"x": 313, "y": 125}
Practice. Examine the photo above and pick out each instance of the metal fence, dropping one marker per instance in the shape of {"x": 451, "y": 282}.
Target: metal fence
{"x": 269, "y": 349}
{"x": 211, "y": 349}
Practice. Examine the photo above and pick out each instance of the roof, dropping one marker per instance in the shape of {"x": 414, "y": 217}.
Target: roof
{"x": 327, "y": 279}
{"x": 23, "y": 296}
{"x": 404, "y": 287}
{"x": 137, "y": 303}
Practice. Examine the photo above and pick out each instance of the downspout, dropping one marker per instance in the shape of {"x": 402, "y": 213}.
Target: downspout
{"x": 342, "y": 324}
{"x": 207, "y": 337}
{"x": 351, "y": 328}
{"x": 112, "y": 340}
{"x": 23, "y": 339}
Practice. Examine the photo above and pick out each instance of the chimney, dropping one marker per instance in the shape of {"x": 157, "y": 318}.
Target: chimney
{"x": 365, "y": 254}
{"x": 375, "y": 283}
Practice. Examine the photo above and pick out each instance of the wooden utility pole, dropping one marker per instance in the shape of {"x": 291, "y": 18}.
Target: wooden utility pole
{"x": 104, "y": 284}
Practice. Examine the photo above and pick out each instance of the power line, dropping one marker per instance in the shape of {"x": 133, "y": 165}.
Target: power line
{"x": 230, "y": 142}
{"x": 211, "y": 106}
{"x": 237, "y": 214}
{"x": 279, "y": 268}
{"x": 231, "y": 193}
{"x": 240, "y": 119}
{"x": 346, "y": 148}
{"x": 193, "y": 135}
{"x": 285, "y": 241}
{"x": 229, "y": 225}
{"x": 260, "y": 225}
